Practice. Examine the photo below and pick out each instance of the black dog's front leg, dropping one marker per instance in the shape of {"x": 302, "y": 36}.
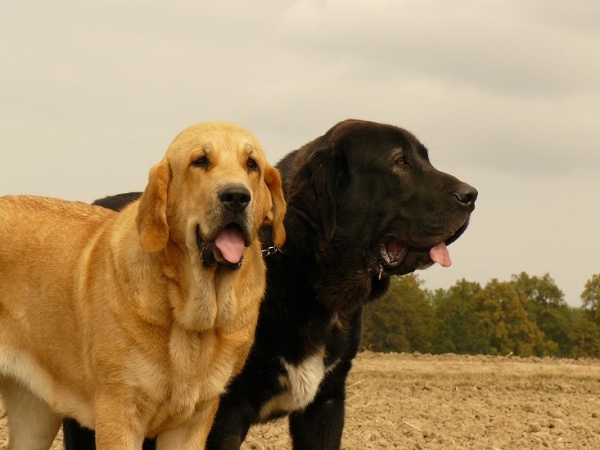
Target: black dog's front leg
{"x": 320, "y": 425}
{"x": 231, "y": 424}
{"x": 77, "y": 437}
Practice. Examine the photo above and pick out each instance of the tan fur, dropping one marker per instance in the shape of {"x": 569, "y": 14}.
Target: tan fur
{"x": 112, "y": 319}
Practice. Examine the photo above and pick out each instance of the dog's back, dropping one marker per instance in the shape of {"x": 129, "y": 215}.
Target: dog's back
{"x": 38, "y": 260}
{"x": 39, "y": 238}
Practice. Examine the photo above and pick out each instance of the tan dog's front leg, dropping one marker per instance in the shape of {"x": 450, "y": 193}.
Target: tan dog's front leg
{"x": 192, "y": 435}
{"x": 118, "y": 424}
{"x": 32, "y": 424}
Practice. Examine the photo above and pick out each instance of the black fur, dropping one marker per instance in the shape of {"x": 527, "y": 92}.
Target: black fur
{"x": 119, "y": 201}
{"x": 361, "y": 190}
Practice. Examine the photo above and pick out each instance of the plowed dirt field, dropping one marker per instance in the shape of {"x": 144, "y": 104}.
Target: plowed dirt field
{"x": 412, "y": 401}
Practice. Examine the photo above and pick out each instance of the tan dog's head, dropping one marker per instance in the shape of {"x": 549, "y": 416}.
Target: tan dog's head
{"x": 211, "y": 192}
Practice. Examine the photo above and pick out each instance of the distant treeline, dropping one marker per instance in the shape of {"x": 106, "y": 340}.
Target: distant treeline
{"x": 526, "y": 316}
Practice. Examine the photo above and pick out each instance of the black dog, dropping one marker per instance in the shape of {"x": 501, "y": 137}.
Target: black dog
{"x": 364, "y": 203}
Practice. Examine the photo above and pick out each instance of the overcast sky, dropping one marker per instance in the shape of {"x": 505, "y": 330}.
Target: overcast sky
{"x": 505, "y": 94}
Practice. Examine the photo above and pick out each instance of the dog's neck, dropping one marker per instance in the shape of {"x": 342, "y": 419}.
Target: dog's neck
{"x": 322, "y": 265}
{"x": 196, "y": 297}
{"x": 201, "y": 298}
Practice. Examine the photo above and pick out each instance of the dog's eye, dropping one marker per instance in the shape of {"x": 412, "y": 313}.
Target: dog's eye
{"x": 400, "y": 161}
{"x": 200, "y": 162}
{"x": 252, "y": 164}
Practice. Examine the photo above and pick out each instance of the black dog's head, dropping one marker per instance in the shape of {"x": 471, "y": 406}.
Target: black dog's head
{"x": 375, "y": 200}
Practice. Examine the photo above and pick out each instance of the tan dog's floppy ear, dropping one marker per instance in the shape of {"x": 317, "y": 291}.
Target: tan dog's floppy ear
{"x": 152, "y": 210}
{"x": 273, "y": 182}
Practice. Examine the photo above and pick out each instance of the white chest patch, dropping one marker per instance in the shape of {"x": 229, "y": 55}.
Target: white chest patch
{"x": 300, "y": 386}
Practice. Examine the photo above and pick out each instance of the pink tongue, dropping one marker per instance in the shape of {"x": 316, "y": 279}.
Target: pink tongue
{"x": 440, "y": 255}
{"x": 231, "y": 243}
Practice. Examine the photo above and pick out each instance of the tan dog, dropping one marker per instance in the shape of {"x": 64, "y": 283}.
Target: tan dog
{"x": 133, "y": 322}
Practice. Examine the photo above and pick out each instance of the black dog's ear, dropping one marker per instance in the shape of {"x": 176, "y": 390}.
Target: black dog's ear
{"x": 119, "y": 201}
{"x": 316, "y": 186}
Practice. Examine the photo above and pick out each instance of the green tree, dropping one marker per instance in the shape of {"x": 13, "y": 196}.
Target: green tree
{"x": 591, "y": 298}
{"x": 458, "y": 327}
{"x": 585, "y": 338}
{"x": 585, "y": 332}
{"x": 400, "y": 321}
{"x": 547, "y": 309}
{"x": 503, "y": 314}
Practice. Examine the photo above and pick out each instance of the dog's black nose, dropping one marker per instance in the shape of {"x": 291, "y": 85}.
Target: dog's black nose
{"x": 465, "y": 195}
{"x": 235, "y": 197}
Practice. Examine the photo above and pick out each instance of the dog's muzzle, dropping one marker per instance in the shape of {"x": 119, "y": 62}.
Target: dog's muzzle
{"x": 227, "y": 248}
